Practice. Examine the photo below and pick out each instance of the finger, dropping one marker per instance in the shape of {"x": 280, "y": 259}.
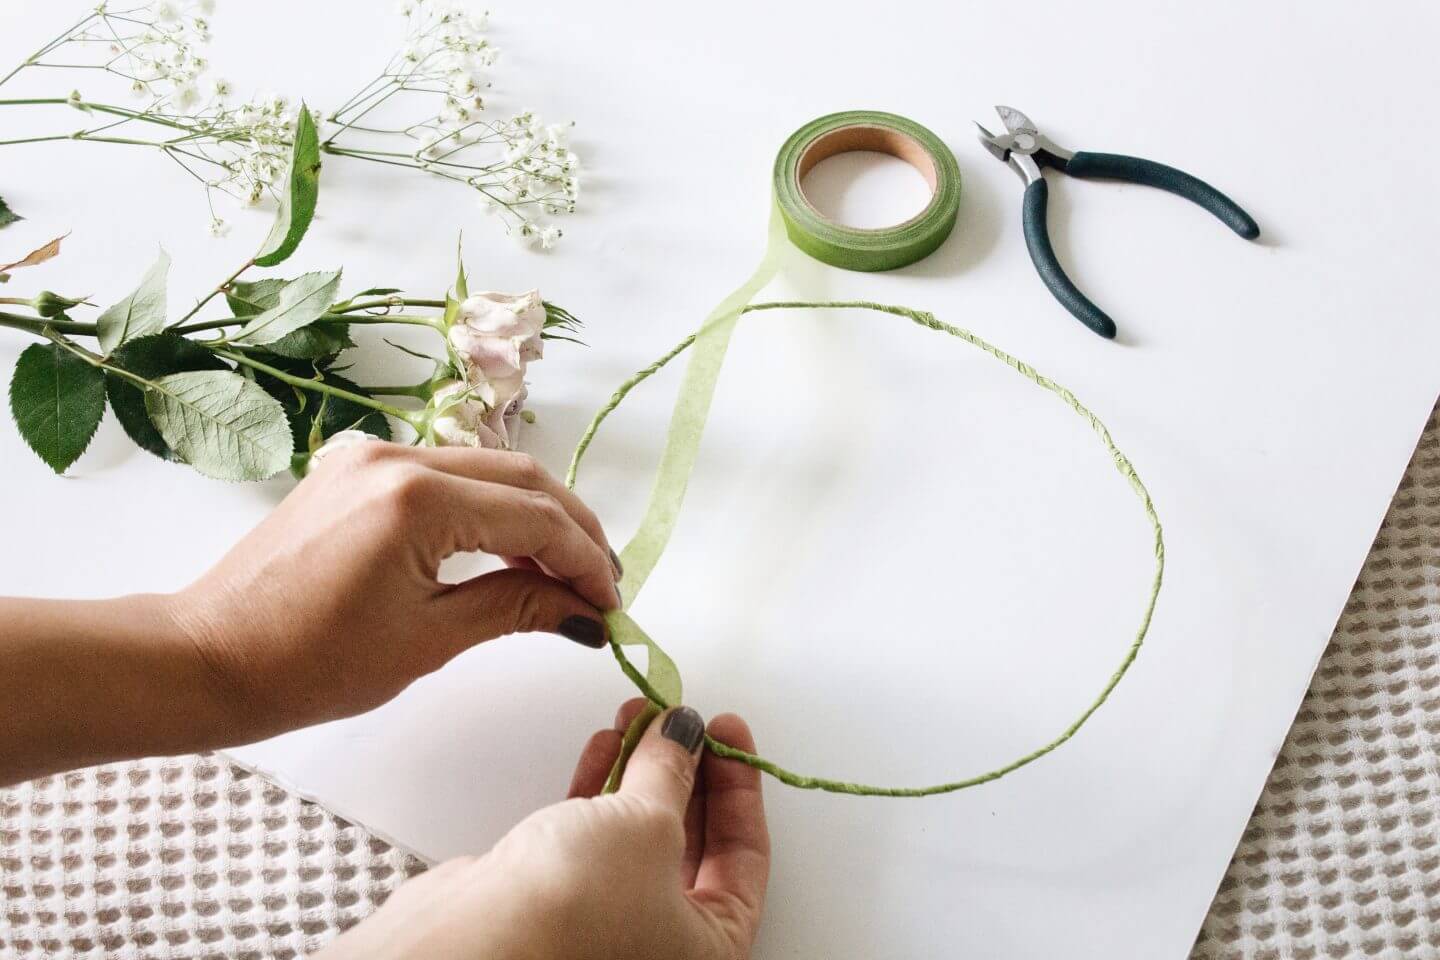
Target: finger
{"x": 628, "y": 711}
{"x": 662, "y": 768}
{"x": 511, "y": 522}
{"x": 521, "y": 563}
{"x": 515, "y": 470}
{"x": 595, "y": 762}
{"x": 736, "y": 864}
{"x": 514, "y": 601}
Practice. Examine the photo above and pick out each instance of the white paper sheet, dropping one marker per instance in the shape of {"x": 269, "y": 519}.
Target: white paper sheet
{"x": 901, "y": 562}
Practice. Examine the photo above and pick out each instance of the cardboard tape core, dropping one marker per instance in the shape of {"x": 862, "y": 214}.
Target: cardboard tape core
{"x": 868, "y": 138}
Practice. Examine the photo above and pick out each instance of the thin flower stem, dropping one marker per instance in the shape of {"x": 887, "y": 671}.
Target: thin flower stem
{"x": 346, "y": 152}
{"x": 98, "y": 108}
{"x": 11, "y": 143}
{"x": 380, "y": 304}
{"x": 94, "y": 359}
{"x": 38, "y": 325}
{"x": 219, "y": 288}
{"x": 435, "y": 323}
{"x": 208, "y": 325}
{"x": 50, "y": 45}
{"x": 318, "y": 386}
{"x": 420, "y": 391}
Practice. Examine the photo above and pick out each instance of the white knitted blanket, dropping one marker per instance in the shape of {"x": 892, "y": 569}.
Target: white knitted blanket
{"x": 192, "y": 857}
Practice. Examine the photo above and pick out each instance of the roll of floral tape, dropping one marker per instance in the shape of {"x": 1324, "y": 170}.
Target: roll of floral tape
{"x": 857, "y": 248}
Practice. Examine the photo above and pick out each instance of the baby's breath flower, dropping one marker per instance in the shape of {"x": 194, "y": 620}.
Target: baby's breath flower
{"x": 521, "y": 168}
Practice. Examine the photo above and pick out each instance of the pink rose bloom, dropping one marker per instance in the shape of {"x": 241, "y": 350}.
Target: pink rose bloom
{"x": 477, "y": 420}
{"x": 496, "y": 336}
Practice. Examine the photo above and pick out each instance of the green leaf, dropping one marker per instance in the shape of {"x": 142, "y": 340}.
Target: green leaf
{"x": 221, "y": 424}
{"x": 307, "y": 343}
{"x": 57, "y": 400}
{"x": 297, "y": 206}
{"x": 462, "y": 283}
{"x": 377, "y": 292}
{"x": 313, "y": 342}
{"x": 7, "y": 216}
{"x": 141, "y": 313}
{"x": 303, "y": 408}
{"x": 150, "y": 358}
{"x": 299, "y": 303}
{"x": 247, "y": 299}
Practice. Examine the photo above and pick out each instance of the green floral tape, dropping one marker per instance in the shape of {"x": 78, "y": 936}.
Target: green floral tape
{"x": 854, "y": 248}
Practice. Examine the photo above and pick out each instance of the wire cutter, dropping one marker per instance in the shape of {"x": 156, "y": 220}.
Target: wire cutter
{"x": 1027, "y": 150}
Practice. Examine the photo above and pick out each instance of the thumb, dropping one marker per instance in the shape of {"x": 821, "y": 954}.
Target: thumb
{"x": 516, "y": 601}
{"x": 662, "y": 768}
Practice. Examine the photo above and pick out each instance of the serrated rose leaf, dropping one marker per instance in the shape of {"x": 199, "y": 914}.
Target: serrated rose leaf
{"x": 150, "y": 358}
{"x": 57, "y": 400}
{"x": 247, "y": 299}
{"x": 297, "y": 204}
{"x": 141, "y": 313}
{"x": 315, "y": 342}
{"x": 300, "y": 303}
{"x": 221, "y": 424}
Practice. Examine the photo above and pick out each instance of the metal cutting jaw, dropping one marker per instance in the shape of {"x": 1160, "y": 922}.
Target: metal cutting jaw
{"x": 1022, "y": 147}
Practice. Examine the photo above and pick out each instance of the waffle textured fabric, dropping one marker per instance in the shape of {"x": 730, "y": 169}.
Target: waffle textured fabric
{"x": 192, "y": 857}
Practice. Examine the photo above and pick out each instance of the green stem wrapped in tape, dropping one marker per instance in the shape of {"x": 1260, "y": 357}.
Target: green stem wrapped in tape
{"x": 861, "y": 250}
{"x": 625, "y": 631}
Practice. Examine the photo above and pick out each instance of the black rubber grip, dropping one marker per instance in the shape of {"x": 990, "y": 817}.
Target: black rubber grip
{"x": 1037, "y": 239}
{"x": 1114, "y": 166}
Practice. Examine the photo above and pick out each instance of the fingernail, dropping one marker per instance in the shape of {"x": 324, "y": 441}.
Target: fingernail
{"x": 585, "y": 631}
{"x": 685, "y": 727}
{"x": 619, "y": 567}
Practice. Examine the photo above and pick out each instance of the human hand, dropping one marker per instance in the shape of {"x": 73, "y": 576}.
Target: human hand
{"x": 331, "y": 606}
{"x": 672, "y": 865}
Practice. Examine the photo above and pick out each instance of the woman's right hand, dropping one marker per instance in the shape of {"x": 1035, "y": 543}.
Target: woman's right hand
{"x": 673, "y": 865}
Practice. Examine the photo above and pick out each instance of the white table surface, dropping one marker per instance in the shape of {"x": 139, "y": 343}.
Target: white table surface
{"x": 901, "y": 562}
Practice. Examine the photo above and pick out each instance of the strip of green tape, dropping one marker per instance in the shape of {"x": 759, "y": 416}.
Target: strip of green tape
{"x": 855, "y": 248}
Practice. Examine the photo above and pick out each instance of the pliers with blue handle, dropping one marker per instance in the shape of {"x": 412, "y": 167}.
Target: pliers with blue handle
{"x": 1026, "y": 151}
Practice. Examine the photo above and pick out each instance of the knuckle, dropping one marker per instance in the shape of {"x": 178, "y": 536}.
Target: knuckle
{"x": 403, "y": 488}
{"x": 544, "y": 509}
{"x": 528, "y": 609}
{"x": 362, "y": 455}
{"x": 589, "y": 520}
{"x": 526, "y": 468}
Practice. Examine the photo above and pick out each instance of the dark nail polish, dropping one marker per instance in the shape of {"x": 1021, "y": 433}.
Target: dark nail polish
{"x": 685, "y": 727}
{"x": 583, "y": 630}
{"x": 619, "y": 567}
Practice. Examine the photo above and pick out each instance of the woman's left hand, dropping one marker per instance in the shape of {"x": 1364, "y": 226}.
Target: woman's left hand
{"x": 674, "y": 864}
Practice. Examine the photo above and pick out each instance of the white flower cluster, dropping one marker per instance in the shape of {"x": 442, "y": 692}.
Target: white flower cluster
{"x": 158, "y": 49}
{"x": 241, "y": 150}
{"x": 522, "y": 168}
{"x": 524, "y": 171}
